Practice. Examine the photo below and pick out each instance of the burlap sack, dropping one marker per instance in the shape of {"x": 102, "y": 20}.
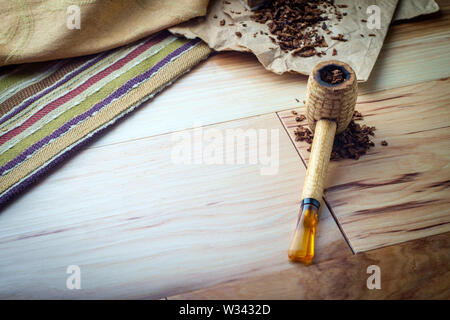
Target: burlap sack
{"x": 33, "y": 30}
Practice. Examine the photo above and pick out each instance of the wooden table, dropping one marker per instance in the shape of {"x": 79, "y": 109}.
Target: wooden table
{"x": 143, "y": 226}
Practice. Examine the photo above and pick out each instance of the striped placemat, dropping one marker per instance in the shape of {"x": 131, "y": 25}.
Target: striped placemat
{"x": 49, "y": 110}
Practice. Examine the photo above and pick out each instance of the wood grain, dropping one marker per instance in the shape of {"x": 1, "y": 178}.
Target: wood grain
{"x": 140, "y": 226}
{"x": 399, "y": 192}
{"x": 413, "y": 270}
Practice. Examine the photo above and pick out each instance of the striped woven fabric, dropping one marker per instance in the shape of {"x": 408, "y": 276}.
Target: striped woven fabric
{"x": 49, "y": 110}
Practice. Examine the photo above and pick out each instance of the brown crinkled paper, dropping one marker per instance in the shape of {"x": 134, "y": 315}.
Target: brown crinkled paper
{"x": 408, "y": 9}
{"x": 359, "y": 52}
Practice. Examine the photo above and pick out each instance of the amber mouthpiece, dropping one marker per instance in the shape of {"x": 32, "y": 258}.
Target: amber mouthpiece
{"x": 302, "y": 242}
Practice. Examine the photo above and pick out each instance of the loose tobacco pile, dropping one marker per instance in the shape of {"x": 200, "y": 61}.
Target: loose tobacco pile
{"x": 350, "y": 144}
{"x": 332, "y": 75}
{"x": 297, "y": 24}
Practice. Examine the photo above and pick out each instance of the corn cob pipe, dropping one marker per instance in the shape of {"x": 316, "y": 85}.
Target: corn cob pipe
{"x": 329, "y": 111}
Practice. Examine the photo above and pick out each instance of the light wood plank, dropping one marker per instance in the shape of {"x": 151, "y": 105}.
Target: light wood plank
{"x": 399, "y": 192}
{"x": 231, "y": 85}
{"x": 140, "y": 226}
{"x": 413, "y": 270}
